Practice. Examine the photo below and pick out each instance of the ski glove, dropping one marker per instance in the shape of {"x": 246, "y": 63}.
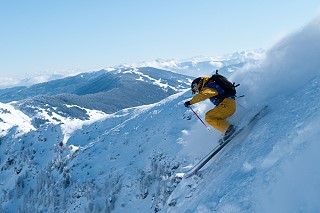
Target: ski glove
{"x": 187, "y": 104}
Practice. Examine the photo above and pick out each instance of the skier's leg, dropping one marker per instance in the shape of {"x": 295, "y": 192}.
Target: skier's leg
{"x": 216, "y": 117}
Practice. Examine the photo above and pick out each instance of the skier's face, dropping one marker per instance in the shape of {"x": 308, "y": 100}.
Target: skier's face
{"x": 195, "y": 88}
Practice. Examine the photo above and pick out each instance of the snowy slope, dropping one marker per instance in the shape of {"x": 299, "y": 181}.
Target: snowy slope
{"x": 271, "y": 170}
{"x": 126, "y": 161}
{"x": 11, "y": 117}
{"x": 274, "y": 168}
{"x": 104, "y": 164}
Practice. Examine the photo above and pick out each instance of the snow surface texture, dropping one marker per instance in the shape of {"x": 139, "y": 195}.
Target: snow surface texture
{"x": 126, "y": 161}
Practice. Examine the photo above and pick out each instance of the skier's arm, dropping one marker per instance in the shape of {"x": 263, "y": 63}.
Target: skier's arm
{"x": 204, "y": 94}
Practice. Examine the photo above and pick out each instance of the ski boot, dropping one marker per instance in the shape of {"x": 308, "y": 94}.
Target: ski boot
{"x": 228, "y": 133}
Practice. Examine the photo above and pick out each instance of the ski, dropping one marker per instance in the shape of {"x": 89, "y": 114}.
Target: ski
{"x": 223, "y": 143}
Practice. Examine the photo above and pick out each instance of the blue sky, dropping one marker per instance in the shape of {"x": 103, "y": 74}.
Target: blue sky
{"x": 62, "y": 36}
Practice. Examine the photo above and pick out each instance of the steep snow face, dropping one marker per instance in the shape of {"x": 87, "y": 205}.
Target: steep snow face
{"x": 273, "y": 167}
{"x": 269, "y": 169}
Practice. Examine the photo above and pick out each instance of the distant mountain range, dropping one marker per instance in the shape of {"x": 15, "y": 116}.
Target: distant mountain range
{"x": 202, "y": 65}
{"x": 120, "y": 87}
{"x": 107, "y": 91}
{"x": 195, "y": 66}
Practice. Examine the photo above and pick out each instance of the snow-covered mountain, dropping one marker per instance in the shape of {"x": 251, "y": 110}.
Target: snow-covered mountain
{"x": 126, "y": 161}
{"x": 202, "y": 65}
{"x": 196, "y": 66}
{"x": 106, "y": 90}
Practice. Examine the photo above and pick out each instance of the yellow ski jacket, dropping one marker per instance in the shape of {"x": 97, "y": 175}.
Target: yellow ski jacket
{"x": 204, "y": 92}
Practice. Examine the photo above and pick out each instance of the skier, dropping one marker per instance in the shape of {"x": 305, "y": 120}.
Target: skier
{"x": 207, "y": 87}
